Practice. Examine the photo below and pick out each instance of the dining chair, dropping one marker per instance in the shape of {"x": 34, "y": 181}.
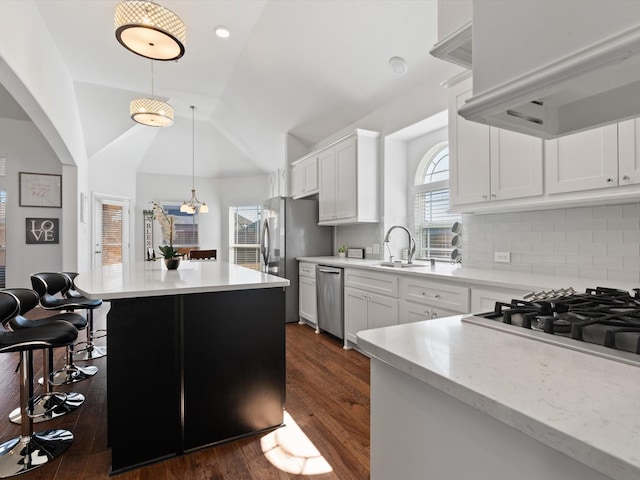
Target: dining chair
{"x": 202, "y": 254}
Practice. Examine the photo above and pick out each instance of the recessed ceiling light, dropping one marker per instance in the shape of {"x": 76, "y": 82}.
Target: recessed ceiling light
{"x": 222, "y": 32}
{"x": 398, "y": 65}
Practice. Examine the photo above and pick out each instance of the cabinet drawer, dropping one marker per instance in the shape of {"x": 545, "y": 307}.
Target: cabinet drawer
{"x": 372, "y": 282}
{"x": 306, "y": 269}
{"x": 437, "y": 294}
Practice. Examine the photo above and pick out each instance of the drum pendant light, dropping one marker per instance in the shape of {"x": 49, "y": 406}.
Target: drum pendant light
{"x": 191, "y": 206}
{"x": 149, "y": 30}
{"x": 150, "y": 111}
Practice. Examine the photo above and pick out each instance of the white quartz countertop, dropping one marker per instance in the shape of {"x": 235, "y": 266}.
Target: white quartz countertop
{"x": 581, "y": 405}
{"x": 148, "y": 279}
{"x": 482, "y": 276}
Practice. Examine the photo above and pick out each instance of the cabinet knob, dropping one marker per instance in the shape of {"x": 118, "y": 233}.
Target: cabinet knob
{"x": 437, "y": 295}
{"x": 609, "y": 180}
{"x": 626, "y": 178}
{"x": 493, "y": 195}
{"x": 484, "y": 196}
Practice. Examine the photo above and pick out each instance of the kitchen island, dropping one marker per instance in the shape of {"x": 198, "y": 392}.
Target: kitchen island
{"x": 454, "y": 400}
{"x": 196, "y": 356}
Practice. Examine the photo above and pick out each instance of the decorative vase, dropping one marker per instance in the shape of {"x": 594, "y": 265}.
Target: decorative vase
{"x": 172, "y": 263}
{"x": 342, "y": 254}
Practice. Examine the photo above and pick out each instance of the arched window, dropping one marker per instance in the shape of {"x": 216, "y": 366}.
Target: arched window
{"x": 432, "y": 220}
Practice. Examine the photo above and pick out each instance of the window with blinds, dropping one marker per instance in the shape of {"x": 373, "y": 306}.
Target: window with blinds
{"x": 432, "y": 222}
{"x": 244, "y": 229}
{"x": 111, "y": 234}
{"x": 3, "y": 238}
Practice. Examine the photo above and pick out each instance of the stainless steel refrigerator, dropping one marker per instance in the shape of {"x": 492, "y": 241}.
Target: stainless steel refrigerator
{"x": 290, "y": 230}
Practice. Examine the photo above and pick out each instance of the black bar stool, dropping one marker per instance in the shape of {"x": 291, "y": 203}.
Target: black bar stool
{"x": 96, "y": 351}
{"x": 50, "y": 284}
{"x": 31, "y": 450}
{"x": 51, "y": 404}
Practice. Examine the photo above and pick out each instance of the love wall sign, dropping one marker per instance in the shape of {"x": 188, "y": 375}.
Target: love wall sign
{"x": 43, "y": 230}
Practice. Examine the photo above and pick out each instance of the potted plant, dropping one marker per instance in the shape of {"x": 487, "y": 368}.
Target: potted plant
{"x": 171, "y": 255}
{"x": 342, "y": 251}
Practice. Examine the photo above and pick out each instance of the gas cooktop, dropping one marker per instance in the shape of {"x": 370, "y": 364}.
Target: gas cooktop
{"x": 600, "y": 321}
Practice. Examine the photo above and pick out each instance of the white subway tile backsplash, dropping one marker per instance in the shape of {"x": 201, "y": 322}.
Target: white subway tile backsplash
{"x": 580, "y": 213}
{"x": 566, "y": 226}
{"x": 580, "y": 237}
{"x": 607, "y": 237}
{"x": 631, "y": 236}
{"x": 631, "y": 262}
{"x": 600, "y": 242}
{"x": 624, "y": 249}
{"x": 606, "y": 261}
{"x": 579, "y": 260}
{"x": 554, "y": 237}
{"x": 571, "y": 248}
{"x": 594, "y": 225}
{"x": 593, "y": 248}
{"x": 623, "y": 224}
{"x": 596, "y": 273}
{"x": 631, "y": 210}
{"x": 631, "y": 276}
{"x": 608, "y": 211}
{"x": 553, "y": 215}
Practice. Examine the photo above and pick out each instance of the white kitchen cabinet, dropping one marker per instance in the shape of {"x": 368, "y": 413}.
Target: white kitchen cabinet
{"x": 629, "y": 152}
{"x": 349, "y": 180}
{"x": 487, "y": 163}
{"x": 370, "y": 301}
{"x": 304, "y": 177}
{"x": 365, "y": 310}
{"x": 307, "y": 296}
{"x": 484, "y": 299}
{"x": 582, "y": 161}
{"x": 422, "y": 299}
{"x": 414, "y": 312}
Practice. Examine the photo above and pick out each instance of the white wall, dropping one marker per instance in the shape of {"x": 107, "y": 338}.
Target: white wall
{"x": 27, "y": 150}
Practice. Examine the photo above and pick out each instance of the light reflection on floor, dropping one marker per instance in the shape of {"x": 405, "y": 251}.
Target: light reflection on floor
{"x": 291, "y": 451}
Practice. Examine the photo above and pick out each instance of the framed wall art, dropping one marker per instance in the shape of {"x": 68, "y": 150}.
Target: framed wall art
{"x": 40, "y": 190}
{"x": 42, "y": 231}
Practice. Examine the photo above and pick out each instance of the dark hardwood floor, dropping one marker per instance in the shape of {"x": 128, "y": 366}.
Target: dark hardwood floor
{"x": 327, "y": 396}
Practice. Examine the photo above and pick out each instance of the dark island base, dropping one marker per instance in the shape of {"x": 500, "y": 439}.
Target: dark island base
{"x": 188, "y": 371}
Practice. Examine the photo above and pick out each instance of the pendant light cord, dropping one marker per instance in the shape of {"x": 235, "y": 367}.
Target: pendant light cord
{"x": 193, "y": 147}
{"x": 152, "y": 79}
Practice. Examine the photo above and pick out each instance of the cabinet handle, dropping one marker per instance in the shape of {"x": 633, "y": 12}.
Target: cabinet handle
{"x": 493, "y": 195}
{"x": 437, "y": 295}
{"x": 484, "y": 196}
{"x": 626, "y": 178}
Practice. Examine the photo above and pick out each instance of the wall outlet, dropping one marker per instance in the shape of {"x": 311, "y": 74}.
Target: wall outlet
{"x": 368, "y": 250}
{"x": 376, "y": 249}
{"x": 502, "y": 257}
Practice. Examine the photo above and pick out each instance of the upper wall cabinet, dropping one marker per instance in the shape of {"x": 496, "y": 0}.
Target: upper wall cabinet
{"x": 582, "y": 161}
{"x": 304, "y": 177}
{"x": 487, "y": 163}
{"x": 349, "y": 180}
{"x": 629, "y": 152}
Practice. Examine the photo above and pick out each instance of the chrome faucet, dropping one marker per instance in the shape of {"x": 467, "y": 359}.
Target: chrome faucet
{"x": 412, "y": 242}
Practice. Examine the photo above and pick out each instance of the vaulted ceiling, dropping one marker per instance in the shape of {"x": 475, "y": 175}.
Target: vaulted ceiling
{"x": 305, "y": 67}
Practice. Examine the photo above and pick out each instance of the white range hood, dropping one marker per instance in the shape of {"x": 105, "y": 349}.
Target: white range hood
{"x": 540, "y": 68}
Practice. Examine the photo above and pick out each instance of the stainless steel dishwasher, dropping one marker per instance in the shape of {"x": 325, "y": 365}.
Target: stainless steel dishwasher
{"x": 329, "y": 289}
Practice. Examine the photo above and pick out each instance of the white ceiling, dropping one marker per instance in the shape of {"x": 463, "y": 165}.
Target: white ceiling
{"x": 308, "y": 67}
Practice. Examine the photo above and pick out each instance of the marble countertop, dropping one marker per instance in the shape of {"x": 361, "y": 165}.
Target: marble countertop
{"x": 489, "y": 278}
{"x": 579, "y": 404}
{"x": 148, "y": 279}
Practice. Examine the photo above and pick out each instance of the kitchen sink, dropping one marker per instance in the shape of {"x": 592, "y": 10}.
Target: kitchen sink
{"x": 401, "y": 265}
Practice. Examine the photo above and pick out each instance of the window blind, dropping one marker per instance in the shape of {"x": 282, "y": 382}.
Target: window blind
{"x": 433, "y": 224}
{"x": 111, "y": 234}
{"x": 245, "y": 235}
